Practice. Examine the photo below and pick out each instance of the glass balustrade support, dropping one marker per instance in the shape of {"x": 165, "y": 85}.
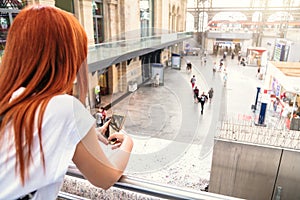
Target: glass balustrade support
{"x": 156, "y": 189}
{"x": 106, "y": 54}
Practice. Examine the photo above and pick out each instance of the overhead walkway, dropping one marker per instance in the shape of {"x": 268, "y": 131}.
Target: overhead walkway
{"x": 103, "y": 55}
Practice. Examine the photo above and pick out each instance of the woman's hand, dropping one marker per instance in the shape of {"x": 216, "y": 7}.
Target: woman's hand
{"x": 101, "y": 132}
{"x": 119, "y": 138}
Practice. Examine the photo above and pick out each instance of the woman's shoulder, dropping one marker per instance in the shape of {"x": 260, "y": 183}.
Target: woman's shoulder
{"x": 68, "y": 108}
{"x": 64, "y": 98}
{"x": 64, "y": 103}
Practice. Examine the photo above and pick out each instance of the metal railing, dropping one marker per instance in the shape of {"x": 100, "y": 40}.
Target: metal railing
{"x": 159, "y": 190}
{"x": 68, "y": 196}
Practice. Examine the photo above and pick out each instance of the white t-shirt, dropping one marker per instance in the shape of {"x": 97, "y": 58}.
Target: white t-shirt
{"x": 65, "y": 123}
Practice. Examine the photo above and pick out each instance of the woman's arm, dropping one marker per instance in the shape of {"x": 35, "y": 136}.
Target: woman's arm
{"x": 93, "y": 163}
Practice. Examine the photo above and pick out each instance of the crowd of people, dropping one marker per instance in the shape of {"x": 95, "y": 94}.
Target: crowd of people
{"x": 203, "y": 98}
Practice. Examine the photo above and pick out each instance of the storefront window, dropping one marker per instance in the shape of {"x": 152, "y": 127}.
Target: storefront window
{"x": 98, "y": 21}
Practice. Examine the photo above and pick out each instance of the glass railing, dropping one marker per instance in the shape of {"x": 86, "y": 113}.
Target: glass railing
{"x": 111, "y": 50}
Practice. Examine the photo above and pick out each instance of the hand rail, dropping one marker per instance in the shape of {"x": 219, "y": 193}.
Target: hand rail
{"x": 68, "y": 196}
{"x": 158, "y": 190}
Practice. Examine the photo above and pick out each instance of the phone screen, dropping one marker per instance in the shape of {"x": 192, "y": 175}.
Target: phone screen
{"x": 115, "y": 125}
{"x": 117, "y": 122}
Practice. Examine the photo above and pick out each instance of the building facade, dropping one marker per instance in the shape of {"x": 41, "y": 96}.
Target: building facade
{"x": 113, "y": 23}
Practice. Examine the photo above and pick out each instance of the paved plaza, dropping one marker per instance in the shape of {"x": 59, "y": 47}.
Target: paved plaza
{"x": 173, "y": 141}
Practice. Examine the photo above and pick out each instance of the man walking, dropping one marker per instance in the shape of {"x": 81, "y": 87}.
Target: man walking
{"x": 202, "y": 99}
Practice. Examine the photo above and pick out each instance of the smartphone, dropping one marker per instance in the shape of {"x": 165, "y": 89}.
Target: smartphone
{"x": 115, "y": 125}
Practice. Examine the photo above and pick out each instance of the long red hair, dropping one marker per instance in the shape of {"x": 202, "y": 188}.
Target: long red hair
{"x": 46, "y": 49}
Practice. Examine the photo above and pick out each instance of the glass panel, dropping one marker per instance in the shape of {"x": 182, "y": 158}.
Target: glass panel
{"x": 146, "y": 17}
{"x": 104, "y": 51}
{"x": 95, "y": 30}
{"x": 99, "y": 9}
{"x": 67, "y": 5}
{"x": 100, "y": 30}
{"x": 98, "y": 21}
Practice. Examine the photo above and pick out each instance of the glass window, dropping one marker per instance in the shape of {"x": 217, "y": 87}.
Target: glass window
{"x": 98, "y": 21}
{"x": 67, "y": 5}
{"x": 146, "y": 17}
{"x": 98, "y": 8}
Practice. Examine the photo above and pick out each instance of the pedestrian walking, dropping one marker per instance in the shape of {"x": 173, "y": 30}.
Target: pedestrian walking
{"x": 196, "y": 94}
{"x": 225, "y": 55}
{"x": 214, "y": 68}
{"x": 97, "y": 94}
{"x": 275, "y": 104}
{"x": 156, "y": 80}
{"x": 188, "y": 66}
{"x": 239, "y": 57}
{"x": 202, "y": 99}
{"x": 225, "y": 77}
{"x": 258, "y": 71}
{"x": 193, "y": 81}
{"x": 210, "y": 94}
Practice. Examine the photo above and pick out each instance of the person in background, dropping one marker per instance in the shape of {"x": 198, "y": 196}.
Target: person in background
{"x": 193, "y": 81}
{"x": 202, "y": 99}
{"x": 210, "y": 94}
{"x": 215, "y": 67}
{"x": 156, "y": 80}
{"x": 103, "y": 115}
{"x": 97, "y": 95}
{"x": 188, "y": 66}
{"x": 98, "y": 117}
{"x": 239, "y": 57}
{"x": 232, "y": 55}
{"x": 225, "y": 77}
{"x": 43, "y": 127}
{"x": 258, "y": 71}
{"x": 275, "y": 104}
{"x": 196, "y": 94}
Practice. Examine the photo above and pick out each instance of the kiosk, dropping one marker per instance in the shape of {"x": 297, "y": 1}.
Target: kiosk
{"x": 256, "y": 56}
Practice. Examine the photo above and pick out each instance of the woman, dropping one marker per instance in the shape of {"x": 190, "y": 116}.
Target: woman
{"x": 43, "y": 127}
{"x": 210, "y": 94}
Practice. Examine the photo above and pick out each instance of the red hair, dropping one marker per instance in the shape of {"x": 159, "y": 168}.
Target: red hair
{"x": 46, "y": 48}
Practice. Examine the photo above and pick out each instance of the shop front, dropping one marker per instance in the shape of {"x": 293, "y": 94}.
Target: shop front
{"x": 282, "y": 81}
{"x": 257, "y": 56}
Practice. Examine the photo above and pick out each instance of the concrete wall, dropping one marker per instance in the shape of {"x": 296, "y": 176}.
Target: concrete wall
{"x": 254, "y": 172}
{"x": 244, "y": 171}
{"x": 289, "y": 176}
